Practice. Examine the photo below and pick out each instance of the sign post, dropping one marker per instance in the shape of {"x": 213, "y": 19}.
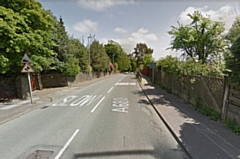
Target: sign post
{"x": 27, "y": 69}
{"x": 152, "y": 66}
{"x": 30, "y": 87}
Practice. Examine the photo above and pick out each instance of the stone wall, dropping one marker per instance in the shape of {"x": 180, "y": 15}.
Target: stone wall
{"x": 54, "y": 80}
{"x": 59, "y": 80}
{"x": 15, "y": 86}
{"x": 7, "y": 88}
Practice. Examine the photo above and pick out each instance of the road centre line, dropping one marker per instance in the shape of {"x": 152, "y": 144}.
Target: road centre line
{"x": 97, "y": 104}
{"x": 66, "y": 145}
{"x": 110, "y": 90}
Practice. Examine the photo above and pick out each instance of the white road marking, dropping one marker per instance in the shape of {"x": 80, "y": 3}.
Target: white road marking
{"x": 125, "y": 84}
{"x": 65, "y": 100}
{"x": 17, "y": 104}
{"x": 66, "y": 145}
{"x": 120, "y": 105}
{"x": 97, "y": 104}
{"x": 78, "y": 101}
{"x": 122, "y": 110}
{"x": 110, "y": 90}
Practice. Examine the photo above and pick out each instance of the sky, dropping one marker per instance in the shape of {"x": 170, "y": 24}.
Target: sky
{"x": 129, "y": 22}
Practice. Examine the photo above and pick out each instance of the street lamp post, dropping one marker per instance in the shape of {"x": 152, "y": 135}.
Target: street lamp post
{"x": 113, "y": 58}
{"x": 89, "y": 62}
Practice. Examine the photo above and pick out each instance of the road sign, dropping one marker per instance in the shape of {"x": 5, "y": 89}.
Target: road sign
{"x": 27, "y": 68}
{"x": 152, "y": 65}
{"x": 26, "y": 59}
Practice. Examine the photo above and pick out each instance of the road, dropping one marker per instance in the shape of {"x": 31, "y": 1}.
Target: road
{"x": 110, "y": 118}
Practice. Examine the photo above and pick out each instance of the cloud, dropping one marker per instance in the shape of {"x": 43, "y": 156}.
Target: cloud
{"x": 120, "y": 30}
{"x": 141, "y": 36}
{"x": 225, "y": 14}
{"x": 100, "y": 5}
{"x": 86, "y": 26}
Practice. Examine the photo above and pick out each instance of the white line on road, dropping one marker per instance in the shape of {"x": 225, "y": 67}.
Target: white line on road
{"x": 110, "y": 90}
{"x": 97, "y": 104}
{"x": 66, "y": 145}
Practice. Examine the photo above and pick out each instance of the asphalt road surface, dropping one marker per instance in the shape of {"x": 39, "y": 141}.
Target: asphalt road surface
{"x": 110, "y": 118}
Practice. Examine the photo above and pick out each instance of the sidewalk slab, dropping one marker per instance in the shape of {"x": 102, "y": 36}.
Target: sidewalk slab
{"x": 202, "y": 137}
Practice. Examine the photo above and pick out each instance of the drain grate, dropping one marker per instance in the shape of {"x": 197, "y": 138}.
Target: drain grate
{"x": 44, "y": 107}
{"x": 40, "y": 154}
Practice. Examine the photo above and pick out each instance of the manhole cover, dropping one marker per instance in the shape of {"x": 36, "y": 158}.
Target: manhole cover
{"x": 40, "y": 154}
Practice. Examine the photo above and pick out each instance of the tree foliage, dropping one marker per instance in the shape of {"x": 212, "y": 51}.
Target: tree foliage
{"x": 25, "y": 28}
{"x": 99, "y": 59}
{"x": 188, "y": 67}
{"x": 202, "y": 40}
{"x": 121, "y": 59}
{"x": 147, "y": 59}
{"x": 142, "y": 53}
{"x": 233, "y": 56}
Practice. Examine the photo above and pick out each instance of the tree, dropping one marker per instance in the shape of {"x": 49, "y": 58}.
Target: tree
{"x": 123, "y": 62}
{"x": 232, "y": 57}
{"x": 99, "y": 58}
{"x": 113, "y": 50}
{"x": 79, "y": 52}
{"x": 121, "y": 59}
{"x": 147, "y": 59}
{"x": 202, "y": 40}
{"x": 168, "y": 64}
{"x": 187, "y": 67}
{"x": 61, "y": 39}
{"x": 133, "y": 64}
{"x": 234, "y": 32}
{"x": 139, "y": 53}
{"x": 25, "y": 28}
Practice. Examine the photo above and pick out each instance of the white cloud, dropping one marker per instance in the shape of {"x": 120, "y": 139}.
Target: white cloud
{"x": 141, "y": 36}
{"x": 86, "y": 26}
{"x": 120, "y": 30}
{"x": 100, "y": 5}
{"x": 226, "y": 13}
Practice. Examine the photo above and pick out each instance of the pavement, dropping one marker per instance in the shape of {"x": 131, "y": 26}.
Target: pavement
{"x": 202, "y": 137}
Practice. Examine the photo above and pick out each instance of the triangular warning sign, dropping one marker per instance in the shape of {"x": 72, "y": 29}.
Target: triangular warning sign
{"x": 26, "y": 59}
{"x": 27, "y": 68}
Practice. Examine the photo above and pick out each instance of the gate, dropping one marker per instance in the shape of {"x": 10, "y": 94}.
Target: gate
{"x": 33, "y": 83}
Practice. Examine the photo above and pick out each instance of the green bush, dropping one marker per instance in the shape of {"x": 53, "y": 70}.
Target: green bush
{"x": 211, "y": 113}
{"x": 232, "y": 125}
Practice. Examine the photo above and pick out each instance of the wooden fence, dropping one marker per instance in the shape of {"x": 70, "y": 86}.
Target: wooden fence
{"x": 213, "y": 92}
{"x": 231, "y": 103}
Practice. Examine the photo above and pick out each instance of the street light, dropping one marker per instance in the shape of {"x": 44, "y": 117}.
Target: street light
{"x": 113, "y": 58}
{"x": 89, "y": 62}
